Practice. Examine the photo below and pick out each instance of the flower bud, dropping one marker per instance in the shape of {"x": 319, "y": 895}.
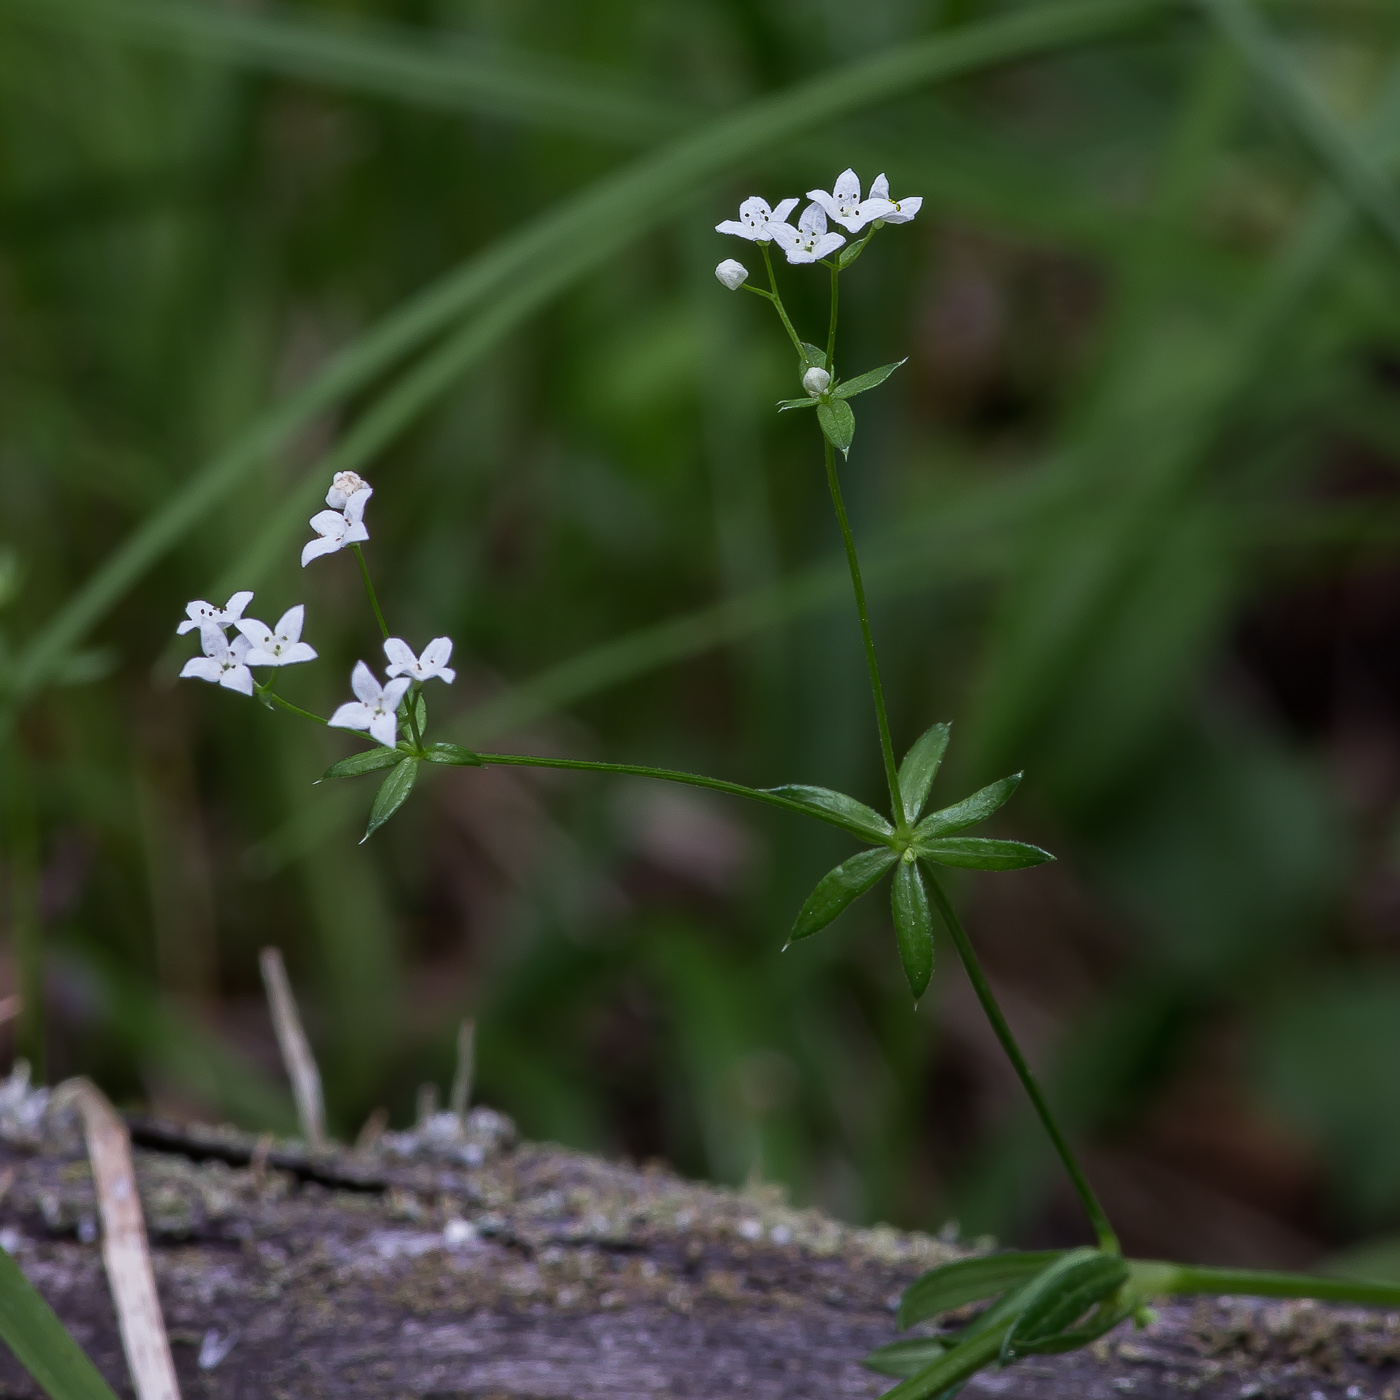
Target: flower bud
{"x": 732, "y": 273}
{"x": 816, "y": 381}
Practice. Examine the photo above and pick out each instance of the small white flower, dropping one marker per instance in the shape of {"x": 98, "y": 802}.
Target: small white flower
{"x": 904, "y": 209}
{"x": 377, "y": 708}
{"x": 845, "y": 205}
{"x": 199, "y": 612}
{"x": 757, "y": 222}
{"x": 809, "y": 241}
{"x": 343, "y": 486}
{"x": 816, "y": 381}
{"x": 283, "y": 647}
{"x": 337, "y": 528}
{"x": 732, "y": 273}
{"x": 433, "y": 662}
{"x": 223, "y": 663}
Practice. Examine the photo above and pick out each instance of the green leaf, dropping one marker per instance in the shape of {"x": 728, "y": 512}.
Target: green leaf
{"x": 905, "y": 1358}
{"x": 943, "y": 1376}
{"x": 392, "y": 794}
{"x": 813, "y": 356}
{"x": 370, "y": 761}
{"x": 452, "y": 753}
{"x": 841, "y": 887}
{"x": 849, "y": 388}
{"x": 838, "y": 423}
{"x": 837, "y": 807}
{"x": 420, "y": 712}
{"x": 968, "y": 1281}
{"x": 917, "y": 772}
{"x": 969, "y": 811}
{"x": 41, "y": 1343}
{"x": 1059, "y": 1298}
{"x": 913, "y": 926}
{"x": 983, "y": 853}
{"x": 852, "y": 251}
{"x": 785, "y": 404}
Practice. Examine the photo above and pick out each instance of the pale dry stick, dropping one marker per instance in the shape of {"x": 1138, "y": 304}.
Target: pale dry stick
{"x": 373, "y": 1130}
{"x": 124, "y": 1248}
{"x": 427, "y": 1103}
{"x": 466, "y": 1065}
{"x": 296, "y": 1049}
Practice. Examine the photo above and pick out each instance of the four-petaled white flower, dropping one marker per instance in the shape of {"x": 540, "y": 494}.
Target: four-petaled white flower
{"x": 757, "y": 222}
{"x": 732, "y": 273}
{"x": 816, "y": 381}
{"x": 283, "y": 647}
{"x": 343, "y": 486}
{"x": 198, "y": 612}
{"x": 223, "y": 663}
{"x": 338, "y": 528}
{"x": 845, "y": 205}
{"x": 809, "y": 241}
{"x": 433, "y": 662}
{"x": 377, "y": 707}
{"x": 904, "y": 209}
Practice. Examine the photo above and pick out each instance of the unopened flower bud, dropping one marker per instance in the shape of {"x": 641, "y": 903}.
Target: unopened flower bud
{"x": 732, "y": 273}
{"x": 816, "y": 381}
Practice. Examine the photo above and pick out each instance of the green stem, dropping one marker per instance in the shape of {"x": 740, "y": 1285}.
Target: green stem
{"x": 268, "y": 693}
{"x": 412, "y": 709}
{"x": 831, "y": 324}
{"x": 369, "y": 588}
{"x": 779, "y": 307}
{"x": 1108, "y": 1240}
{"x": 876, "y": 689}
{"x": 1264, "y": 1283}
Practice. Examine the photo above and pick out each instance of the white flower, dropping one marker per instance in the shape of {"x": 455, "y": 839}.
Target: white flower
{"x": 904, "y": 209}
{"x": 816, "y": 381}
{"x": 223, "y": 663}
{"x": 376, "y": 709}
{"x": 809, "y": 241}
{"x": 757, "y": 222}
{"x": 732, "y": 273}
{"x": 283, "y": 647}
{"x": 343, "y": 486}
{"x": 844, "y": 203}
{"x": 199, "y": 612}
{"x": 433, "y": 662}
{"x": 338, "y": 528}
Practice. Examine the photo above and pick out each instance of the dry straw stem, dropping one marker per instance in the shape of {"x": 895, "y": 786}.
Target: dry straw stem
{"x": 466, "y": 1061}
{"x": 124, "y": 1249}
{"x": 295, "y": 1048}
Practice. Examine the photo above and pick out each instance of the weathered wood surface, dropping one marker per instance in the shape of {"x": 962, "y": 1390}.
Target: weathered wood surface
{"x": 439, "y": 1268}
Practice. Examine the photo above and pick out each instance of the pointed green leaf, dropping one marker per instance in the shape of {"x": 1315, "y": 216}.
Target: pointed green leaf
{"x": 905, "y": 1358}
{"x": 838, "y": 809}
{"x": 420, "y": 712}
{"x": 814, "y": 356}
{"x": 944, "y": 1376}
{"x": 969, "y": 811}
{"x": 852, "y": 251}
{"x": 370, "y": 761}
{"x": 452, "y": 753}
{"x": 42, "y": 1344}
{"x": 785, "y": 404}
{"x": 913, "y": 926}
{"x": 969, "y": 1281}
{"x": 917, "y": 772}
{"x": 982, "y": 853}
{"x": 1079, "y": 1281}
{"x": 392, "y": 794}
{"x": 839, "y": 888}
{"x": 849, "y": 388}
{"x": 838, "y": 423}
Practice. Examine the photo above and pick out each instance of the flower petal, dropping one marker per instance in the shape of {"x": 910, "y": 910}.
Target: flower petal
{"x": 880, "y": 187}
{"x": 813, "y": 220}
{"x": 401, "y": 657}
{"x": 259, "y": 634}
{"x": 384, "y": 726}
{"x": 314, "y": 549}
{"x": 785, "y": 207}
{"x": 825, "y": 201}
{"x": 201, "y": 668}
{"x": 233, "y": 609}
{"x": 212, "y": 639}
{"x": 738, "y": 230}
{"x": 238, "y": 678}
{"x": 290, "y": 623}
{"x": 261, "y": 657}
{"x": 394, "y": 692}
{"x": 240, "y": 649}
{"x": 296, "y": 653}
{"x": 355, "y": 534}
{"x": 355, "y": 505}
{"x": 828, "y": 245}
{"x": 328, "y": 522}
{"x": 437, "y": 653}
{"x": 351, "y": 715}
{"x": 188, "y": 625}
{"x": 847, "y": 185}
{"x": 364, "y": 683}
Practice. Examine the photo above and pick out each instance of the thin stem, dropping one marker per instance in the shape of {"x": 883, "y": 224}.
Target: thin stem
{"x": 1264, "y": 1283}
{"x": 369, "y": 588}
{"x": 831, "y": 324}
{"x": 268, "y": 693}
{"x": 413, "y": 695}
{"x": 1108, "y": 1239}
{"x": 876, "y": 689}
{"x": 778, "y": 304}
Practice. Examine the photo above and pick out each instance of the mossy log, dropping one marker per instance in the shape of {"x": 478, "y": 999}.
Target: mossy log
{"x": 442, "y": 1266}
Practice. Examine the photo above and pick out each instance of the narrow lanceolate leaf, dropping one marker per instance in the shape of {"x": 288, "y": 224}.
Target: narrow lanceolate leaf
{"x": 982, "y": 853}
{"x": 1080, "y": 1281}
{"x": 452, "y": 753}
{"x": 920, "y": 766}
{"x": 841, "y": 887}
{"x": 838, "y": 423}
{"x": 785, "y": 404}
{"x": 945, "y": 1375}
{"x": 969, "y": 1281}
{"x": 851, "y": 387}
{"x": 913, "y": 926}
{"x": 371, "y": 761}
{"x": 906, "y": 1358}
{"x": 838, "y": 808}
{"x": 969, "y": 811}
{"x": 392, "y": 794}
{"x": 41, "y": 1343}
{"x": 814, "y": 356}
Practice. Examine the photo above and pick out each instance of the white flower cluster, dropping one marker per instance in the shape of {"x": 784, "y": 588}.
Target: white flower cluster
{"x": 227, "y": 663}
{"x": 377, "y": 707}
{"x": 344, "y": 522}
{"x": 811, "y": 241}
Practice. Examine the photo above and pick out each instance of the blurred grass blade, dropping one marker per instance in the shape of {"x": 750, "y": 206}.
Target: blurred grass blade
{"x": 439, "y": 71}
{"x": 968, "y": 1281}
{"x": 41, "y": 1343}
{"x": 551, "y": 251}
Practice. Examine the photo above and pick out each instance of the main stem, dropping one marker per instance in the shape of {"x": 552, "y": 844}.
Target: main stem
{"x": 412, "y": 706}
{"x": 1108, "y": 1239}
{"x": 833, "y": 481}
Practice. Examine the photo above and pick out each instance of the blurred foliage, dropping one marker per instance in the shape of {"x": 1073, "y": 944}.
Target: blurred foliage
{"x": 1128, "y": 516}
